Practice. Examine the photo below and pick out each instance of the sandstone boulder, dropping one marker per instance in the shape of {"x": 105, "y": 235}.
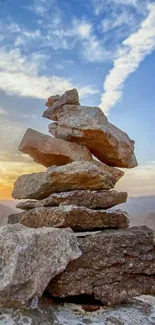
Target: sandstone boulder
{"x": 90, "y": 127}
{"x": 76, "y": 218}
{"x": 85, "y": 198}
{"x": 30, "y": 258}
{"x": 114, "y": 266}
{"x": 69, "y": 97}
{"x": 79, "y": 175}
{"x": 48, "y": 151}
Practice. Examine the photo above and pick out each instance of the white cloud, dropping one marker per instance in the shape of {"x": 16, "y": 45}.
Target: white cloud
{"x": 101, "y": 6}
{"x": 27, "y": 36}
{"x": 40, "y": 7}
{"x": 20, "y": 75}
{"x": 133, "y": 3}
{"x": 93, "y": 51}
{"x": 135, "y": 48}
{"x": 10, "y": 133}
{"x": 124, "y": 18}
{"x": 82, "y": 28}
{"x": 2, "y": 111}
{"x": 91, "y": 47}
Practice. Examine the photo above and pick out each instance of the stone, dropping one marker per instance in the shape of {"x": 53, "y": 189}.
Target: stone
{"x": 13, "y": 218}
{"x": 51, "y": 100}
{"x": 114, "y": 265}
{"x": 48, "y": 151}
{"x": 85, "y": 198}
{"x": 30, "y": 258}
{"x": 76, "y": 218}
{"x": 69, "y": 97}
{"x": 90, "y": 127}
{"x": 115, "y": 172}
{"x": 134, "y": 312}
{"x": 79, "y": 175}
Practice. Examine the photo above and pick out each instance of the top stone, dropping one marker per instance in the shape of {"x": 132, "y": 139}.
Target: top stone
{"x": 56, "y": 102}
{"x": 51, "y": 100}
{"x": 90, "y": 127}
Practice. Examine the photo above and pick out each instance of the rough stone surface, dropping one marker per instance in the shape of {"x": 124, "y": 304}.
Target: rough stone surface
{"x": 79, "y": 175}
{"x": 77, "y": 218}
{"x": 69, "y": 97}
{"x": 51, "y": 100}
{"x": 114, "y": 266}
{"x": 90, "y": 127}
{"x": 48, "y": 151}
{"x": 88, "y": 199}
{"x": 30, "y": 258}
{"x": 115, "y": 172}
{"x": 135, "y": 312}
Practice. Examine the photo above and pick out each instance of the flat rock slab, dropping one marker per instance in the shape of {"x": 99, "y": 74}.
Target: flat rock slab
{"x": 76, "y": 218}
{"x": 48, "y": 151}
{"x": 140, "y": 312}
{"x": 80, "y": 175}
{"x": 30, "y": 258}
{"x": 114, "y": 266}
{"x": 115, "y": 172}
{"x": 90, "y": 127}
{"x": 55, "y": 103}
{"x": 88, "y": 199}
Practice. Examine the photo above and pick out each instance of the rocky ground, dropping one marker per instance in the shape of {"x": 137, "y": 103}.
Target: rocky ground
{"x": 139, "y": 311}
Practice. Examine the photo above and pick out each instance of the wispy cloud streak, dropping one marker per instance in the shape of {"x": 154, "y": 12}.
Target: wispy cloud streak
{"x": 134, "y": 50}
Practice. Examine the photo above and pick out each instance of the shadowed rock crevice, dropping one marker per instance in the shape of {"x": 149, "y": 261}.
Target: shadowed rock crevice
{"x": 77, "y": 300}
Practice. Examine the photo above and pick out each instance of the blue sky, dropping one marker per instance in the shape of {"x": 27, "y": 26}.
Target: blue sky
{"x": 104, "y": 48}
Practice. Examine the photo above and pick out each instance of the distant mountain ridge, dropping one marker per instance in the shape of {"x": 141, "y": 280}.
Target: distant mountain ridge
{"x": 141, "y": 210}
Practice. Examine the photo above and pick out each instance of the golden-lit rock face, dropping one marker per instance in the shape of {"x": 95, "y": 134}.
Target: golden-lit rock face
{"x": 90, "y": 127}
{"x": 79, "y": 175}
{"x": 48, "y": 151}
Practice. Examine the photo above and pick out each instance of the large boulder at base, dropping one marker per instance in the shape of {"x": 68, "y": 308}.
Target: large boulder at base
{"x": 48, "y": 151}
{"x": 30, "y": 258}
{"x": 90, "y": 127}
{"x": 88, "y": 199}
{"x": 79, "y": 175}
{"x": 114, "y": 266}
{"x": 54, "y": 103}
{"x": 77, "y": 218}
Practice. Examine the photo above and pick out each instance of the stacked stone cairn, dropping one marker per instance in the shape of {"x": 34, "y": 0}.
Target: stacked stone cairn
{"x": 76, "y": 191}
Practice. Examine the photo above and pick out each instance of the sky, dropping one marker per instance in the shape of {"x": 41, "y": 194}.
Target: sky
{"x": 105, "y": 48}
